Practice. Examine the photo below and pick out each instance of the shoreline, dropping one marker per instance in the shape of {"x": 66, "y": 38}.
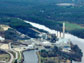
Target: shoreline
{"x": 38, "y": 57}
{"x": 23, "y": 55}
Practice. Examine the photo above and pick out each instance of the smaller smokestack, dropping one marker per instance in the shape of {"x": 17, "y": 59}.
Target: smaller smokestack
{"x": 60, "y": 34}
{"x": 57, "y": 34}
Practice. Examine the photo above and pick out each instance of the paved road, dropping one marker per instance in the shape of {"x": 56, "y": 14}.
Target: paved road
{"x": 16, "y": 53}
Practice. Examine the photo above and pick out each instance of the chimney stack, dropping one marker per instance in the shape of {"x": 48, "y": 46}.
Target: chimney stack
{"x": 57, "y": 34}
{"x": 60, "y": 34}
{"x": 63, "y": 30}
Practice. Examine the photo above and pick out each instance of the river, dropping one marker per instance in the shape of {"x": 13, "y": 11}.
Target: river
{"x": 74, "y": 39}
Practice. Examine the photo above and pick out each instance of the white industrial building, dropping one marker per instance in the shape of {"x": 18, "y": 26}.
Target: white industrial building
{"x": 46, "y": 43}
{"x": 43, "y": 36}
{"x": 2, "y": 39}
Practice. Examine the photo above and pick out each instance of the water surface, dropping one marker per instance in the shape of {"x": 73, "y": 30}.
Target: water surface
{"x": 30, "y": 57}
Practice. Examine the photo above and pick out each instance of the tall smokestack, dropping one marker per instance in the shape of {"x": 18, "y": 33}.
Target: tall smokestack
{"x": 63, "y": 30}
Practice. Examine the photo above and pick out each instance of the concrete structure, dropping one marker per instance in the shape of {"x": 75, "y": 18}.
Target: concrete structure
{"x": 64, "y": 44}
{"x": 43, "y": 36}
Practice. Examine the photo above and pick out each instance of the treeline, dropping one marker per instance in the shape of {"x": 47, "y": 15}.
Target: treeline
{"x": 42, "y": 10}
{"x": 19, "y": 25}
{"x": 78, "y": 32}
{"x": 46, "y": 13}
{"x": 2, "y": 52}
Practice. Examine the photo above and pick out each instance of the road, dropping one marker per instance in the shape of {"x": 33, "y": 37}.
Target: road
{"x": 16, "y": 53}
{"x": 11, "y": 57}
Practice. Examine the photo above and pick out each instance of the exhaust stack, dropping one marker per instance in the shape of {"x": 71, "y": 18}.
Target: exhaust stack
{"x": 63, "y": 30}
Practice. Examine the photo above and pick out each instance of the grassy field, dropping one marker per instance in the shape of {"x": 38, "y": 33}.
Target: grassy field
{"x": 4, "y": 57}
{"x": 72, "y": 26}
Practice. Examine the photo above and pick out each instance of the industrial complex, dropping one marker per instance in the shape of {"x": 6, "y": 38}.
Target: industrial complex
{"x": 44, "y": 40}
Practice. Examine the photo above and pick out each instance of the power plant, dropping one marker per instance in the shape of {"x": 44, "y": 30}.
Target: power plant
{"x": 63, "y": 43}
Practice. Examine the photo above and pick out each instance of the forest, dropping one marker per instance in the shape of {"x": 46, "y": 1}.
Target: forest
{"x": 46, "y": 12}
